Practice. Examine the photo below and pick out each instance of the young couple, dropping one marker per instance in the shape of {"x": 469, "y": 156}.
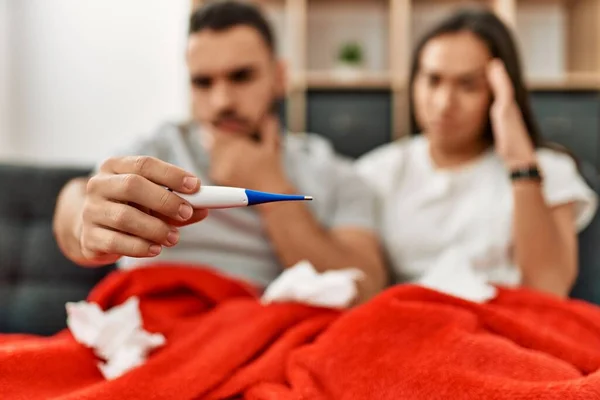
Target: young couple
{"x": 475, "y": 177}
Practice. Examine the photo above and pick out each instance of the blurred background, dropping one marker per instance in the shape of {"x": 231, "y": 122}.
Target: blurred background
{"x": 78, "y": 78}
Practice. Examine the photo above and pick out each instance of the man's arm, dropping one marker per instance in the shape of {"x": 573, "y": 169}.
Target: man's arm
{"x": 351, "y": 241}
{"x": 67, "y": 222}
{"x": 297, "y": 235}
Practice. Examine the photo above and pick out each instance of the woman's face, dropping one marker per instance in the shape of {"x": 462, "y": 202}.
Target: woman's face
{"x": 451, "y": 92}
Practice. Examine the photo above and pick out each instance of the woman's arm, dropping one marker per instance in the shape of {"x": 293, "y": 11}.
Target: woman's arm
{"x": 545, "y": 240}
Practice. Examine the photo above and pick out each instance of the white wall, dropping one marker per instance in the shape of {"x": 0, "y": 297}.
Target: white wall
{"x": 541, "y": 33}
{"x": 363, "y": 22}
{"x": 88, "y": 76}
{"x": 4, "y": 111}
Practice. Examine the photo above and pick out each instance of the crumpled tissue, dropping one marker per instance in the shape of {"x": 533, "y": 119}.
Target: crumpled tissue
{"x": 303, "y": 284}
{"x": 115, "y": 335}
{"x": 455, "y": 275}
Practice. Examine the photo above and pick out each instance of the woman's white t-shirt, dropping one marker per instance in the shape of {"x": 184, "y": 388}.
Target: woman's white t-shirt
{"x": 427, "y": 212}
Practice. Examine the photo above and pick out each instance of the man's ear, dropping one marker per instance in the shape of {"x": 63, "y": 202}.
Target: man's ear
{"x": 281, "y": 78}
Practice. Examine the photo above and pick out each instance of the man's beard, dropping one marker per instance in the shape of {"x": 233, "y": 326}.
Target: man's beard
{"x": 232, "y": 115}
{"x": 228, "y": 116}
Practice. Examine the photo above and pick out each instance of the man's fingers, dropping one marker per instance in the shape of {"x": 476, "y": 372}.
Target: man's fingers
{"x": 97, "y": 240}
{"x": 127, "y": 219}
{"x": 198, "y": 215}
{"x": 132, "y": 188}
{"x": 154, "y": 170}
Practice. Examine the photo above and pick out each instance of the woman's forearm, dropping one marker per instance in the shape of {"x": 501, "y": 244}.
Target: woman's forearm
{"x": 545, "y": 260}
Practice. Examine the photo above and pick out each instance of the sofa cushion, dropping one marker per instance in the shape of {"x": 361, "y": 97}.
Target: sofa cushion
{"x": 36, "y": 280}
{"x": 587, "y": 286}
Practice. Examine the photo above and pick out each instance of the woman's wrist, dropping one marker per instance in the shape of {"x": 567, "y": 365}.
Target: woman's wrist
{"x": 524, "y": 168}
{"x": 525, "y": 158}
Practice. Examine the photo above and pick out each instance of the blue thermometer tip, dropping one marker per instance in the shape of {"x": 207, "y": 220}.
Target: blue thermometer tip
{"x": 256, "y": 197}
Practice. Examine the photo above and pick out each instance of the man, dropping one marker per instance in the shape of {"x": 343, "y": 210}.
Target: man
{"x": 124, "y": 213}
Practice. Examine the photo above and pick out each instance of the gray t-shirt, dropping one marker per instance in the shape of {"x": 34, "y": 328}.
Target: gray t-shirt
{"x": 234, "y": 241}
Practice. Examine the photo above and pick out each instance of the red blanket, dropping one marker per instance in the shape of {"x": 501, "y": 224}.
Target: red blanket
{"x": 408, "y": 343}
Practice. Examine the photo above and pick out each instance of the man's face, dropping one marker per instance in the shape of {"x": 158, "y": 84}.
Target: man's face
{"x": 235, "y": 79}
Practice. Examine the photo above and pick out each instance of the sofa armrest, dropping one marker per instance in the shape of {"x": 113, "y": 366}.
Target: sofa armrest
{"x": 36, "y": 280}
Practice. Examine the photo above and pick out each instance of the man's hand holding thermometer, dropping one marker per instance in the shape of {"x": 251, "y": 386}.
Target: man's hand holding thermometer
{"x": 128, "y": 212}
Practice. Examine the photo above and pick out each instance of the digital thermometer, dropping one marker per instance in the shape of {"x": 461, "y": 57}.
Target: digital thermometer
{"x": 231, "y": 197}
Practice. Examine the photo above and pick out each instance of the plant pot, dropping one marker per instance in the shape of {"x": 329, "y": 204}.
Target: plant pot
{"x": 348, "y": 72}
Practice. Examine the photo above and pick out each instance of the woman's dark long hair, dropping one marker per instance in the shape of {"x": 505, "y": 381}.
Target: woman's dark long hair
{"x": 494, "y": 33}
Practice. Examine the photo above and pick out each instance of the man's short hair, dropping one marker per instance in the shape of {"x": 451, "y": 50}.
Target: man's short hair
{"x": 221, "y": 15}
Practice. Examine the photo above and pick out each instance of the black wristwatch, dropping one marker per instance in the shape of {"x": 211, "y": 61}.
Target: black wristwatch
{"x": 528, "y": 173}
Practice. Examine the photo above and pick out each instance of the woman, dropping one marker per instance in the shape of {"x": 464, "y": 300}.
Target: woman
{"x": 478, "y": 179}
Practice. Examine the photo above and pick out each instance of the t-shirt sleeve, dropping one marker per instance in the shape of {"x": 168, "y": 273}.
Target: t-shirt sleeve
{"x": 564, "y": 184}
{"x": 367, "y": 166}
{"x": 152, "y": 145}
{"x": 378, "y": 167}
{"x": 356, "y": 202}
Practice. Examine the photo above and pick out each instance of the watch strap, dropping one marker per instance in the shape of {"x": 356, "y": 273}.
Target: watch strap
{"x": 527, "y": 173}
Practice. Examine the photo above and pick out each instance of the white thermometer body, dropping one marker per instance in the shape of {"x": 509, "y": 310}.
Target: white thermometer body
{"x": 212, "y": 197}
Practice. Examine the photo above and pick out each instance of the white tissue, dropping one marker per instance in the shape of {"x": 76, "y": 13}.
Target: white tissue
{"x": 454, "y": 274}
{"x": 115, "y": 335}
{"x": 303, "y": 284}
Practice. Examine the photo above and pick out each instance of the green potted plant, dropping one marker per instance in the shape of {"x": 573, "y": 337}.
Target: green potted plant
{"x": 350, "y": 60}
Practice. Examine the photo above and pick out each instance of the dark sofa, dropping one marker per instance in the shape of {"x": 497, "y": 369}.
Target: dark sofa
{"x": 36, "y": 280}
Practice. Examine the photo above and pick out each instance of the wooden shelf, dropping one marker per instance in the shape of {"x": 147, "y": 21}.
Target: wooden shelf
{"x": 559, "y": 38}
{"x": 333, "y": 23}
{"x": 331, "y": 80}
{"x": 576, "y": 81}
{"x": 556, "y": 38}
